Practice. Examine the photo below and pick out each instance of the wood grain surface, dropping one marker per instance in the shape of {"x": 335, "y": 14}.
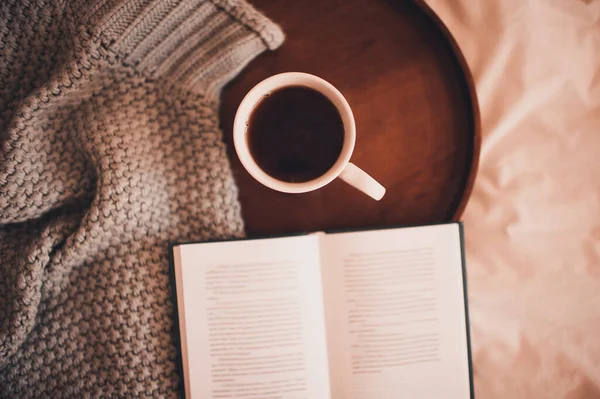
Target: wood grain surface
{"x": 415, "y": 107}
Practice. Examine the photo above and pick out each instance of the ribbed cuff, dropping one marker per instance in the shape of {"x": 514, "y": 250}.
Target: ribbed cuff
{"x": 200, "y": 44}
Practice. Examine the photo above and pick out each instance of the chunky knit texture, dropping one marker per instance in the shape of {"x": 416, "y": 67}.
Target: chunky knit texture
{"x": 109, "y": 148}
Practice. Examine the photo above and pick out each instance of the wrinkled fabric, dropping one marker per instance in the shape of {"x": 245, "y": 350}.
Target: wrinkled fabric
{"x": 533, "y": 221}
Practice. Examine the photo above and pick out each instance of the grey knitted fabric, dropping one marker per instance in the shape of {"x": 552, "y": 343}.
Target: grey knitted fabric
{"x": 109, "y": 148}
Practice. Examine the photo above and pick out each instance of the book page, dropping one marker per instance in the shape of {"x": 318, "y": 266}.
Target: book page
{"x": 395, "y": 312}
{"x": 252, "y": 319}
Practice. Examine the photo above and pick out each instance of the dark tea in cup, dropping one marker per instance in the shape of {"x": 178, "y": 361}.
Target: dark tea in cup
{"x": 295, "y": 134}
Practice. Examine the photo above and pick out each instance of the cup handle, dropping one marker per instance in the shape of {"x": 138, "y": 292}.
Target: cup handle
{"x": 358, "y": 178}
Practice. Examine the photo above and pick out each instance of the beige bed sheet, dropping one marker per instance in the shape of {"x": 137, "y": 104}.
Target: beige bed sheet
{"x": 533, "y": 222}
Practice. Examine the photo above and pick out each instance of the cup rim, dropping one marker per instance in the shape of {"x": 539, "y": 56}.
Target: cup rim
{"x": 279, "y": 81}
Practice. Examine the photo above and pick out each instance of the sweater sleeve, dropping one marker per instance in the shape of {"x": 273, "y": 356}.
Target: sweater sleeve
{"x": 200, "y": 44}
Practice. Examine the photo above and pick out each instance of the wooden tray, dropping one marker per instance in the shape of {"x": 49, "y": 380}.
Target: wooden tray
{"x": 418, "y": 128}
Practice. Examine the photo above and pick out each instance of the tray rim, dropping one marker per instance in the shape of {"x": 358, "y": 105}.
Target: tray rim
{"x": 475, "y": 111}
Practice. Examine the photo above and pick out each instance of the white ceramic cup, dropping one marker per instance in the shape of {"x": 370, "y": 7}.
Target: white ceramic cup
{"x": 342, "y": 168}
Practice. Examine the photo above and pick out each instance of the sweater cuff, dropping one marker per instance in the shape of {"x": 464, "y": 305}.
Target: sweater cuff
{"x": 200, "y": 44}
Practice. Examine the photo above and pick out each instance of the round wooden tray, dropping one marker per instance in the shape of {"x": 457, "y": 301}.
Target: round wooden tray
{"x": 418, "y": 129}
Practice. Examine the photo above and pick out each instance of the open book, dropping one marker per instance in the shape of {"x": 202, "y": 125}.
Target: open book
{"x": 367, "y": 314}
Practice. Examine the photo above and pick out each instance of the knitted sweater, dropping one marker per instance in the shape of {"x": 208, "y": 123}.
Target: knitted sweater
{"x": 109, "y": 148}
